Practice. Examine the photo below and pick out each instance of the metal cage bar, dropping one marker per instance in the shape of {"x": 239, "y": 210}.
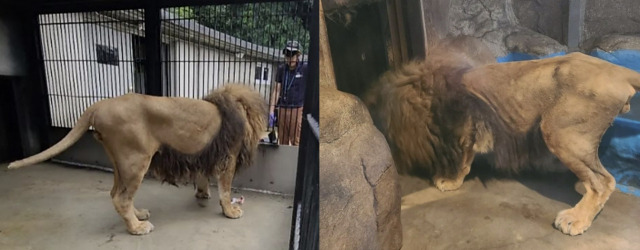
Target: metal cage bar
{"x": 89, "y": 52}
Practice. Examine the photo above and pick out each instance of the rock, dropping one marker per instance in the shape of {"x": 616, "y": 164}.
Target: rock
{"x": 492, "y": 21}
{"x": 605, "y": 17}
{"x": 547, "y": 17}
{"x": 360, "y": 196}
{"x": 615, "y": 42}
{"x": 532, "y": 43}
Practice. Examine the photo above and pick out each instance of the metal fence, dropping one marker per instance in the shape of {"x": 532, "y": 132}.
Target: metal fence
{"x": 89, "y": 56}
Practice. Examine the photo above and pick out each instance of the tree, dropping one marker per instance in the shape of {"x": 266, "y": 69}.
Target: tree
{"x": 266, "y": 24}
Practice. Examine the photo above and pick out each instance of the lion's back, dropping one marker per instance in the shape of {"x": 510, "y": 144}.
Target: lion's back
{"x": 182, "y": 123}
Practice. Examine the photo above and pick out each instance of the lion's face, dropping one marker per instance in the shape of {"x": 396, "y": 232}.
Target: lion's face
{"x": 454, "y": 145}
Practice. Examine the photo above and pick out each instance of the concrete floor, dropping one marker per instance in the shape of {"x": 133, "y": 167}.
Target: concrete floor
{"x": 510, "y": 213}
{"x": 49, "y": 206}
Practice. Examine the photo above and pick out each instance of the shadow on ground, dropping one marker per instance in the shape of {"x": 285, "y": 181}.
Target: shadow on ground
{"x": 48, "y": 206}
{"x": 495, "y": 211}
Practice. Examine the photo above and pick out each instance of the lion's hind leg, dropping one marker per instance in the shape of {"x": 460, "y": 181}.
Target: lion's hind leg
{"x": 130, "y": 172}
{"x": 141, "y": 214}
{"x": 225, "y": 178}
{"x": 574, "y": 141}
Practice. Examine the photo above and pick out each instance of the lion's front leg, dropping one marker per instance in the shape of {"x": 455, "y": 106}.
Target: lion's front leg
{"x": 225, "y": 178}
{"x": 202, "y": 190}
{"x": 449, "y": 184}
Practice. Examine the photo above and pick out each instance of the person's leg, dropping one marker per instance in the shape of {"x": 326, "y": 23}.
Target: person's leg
{"x": 291, "y": 125}
{"x": 282, "y": 137}
{"x": 298, "y": 126}
{"x": 287, "y": 136}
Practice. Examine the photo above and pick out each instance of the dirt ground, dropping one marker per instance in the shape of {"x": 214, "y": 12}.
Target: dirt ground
{"x": 510, "y": 213}
{"x": 49, "y": 206}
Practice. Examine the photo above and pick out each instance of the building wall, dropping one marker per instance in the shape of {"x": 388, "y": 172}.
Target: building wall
{"x": 75, "y": 79}
{"x": 197, "y": 69}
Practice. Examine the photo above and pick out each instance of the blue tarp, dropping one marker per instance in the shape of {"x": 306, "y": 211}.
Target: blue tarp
{"x": 517, "y": 56}
{"x": 620, "y": 146}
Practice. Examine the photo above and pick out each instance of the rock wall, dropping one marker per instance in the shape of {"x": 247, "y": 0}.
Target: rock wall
{"x": 610, "y": 17}
{"x": 359, "y": 194}
{"x": 493, "y": 21}
{"x": 547, "y": 17}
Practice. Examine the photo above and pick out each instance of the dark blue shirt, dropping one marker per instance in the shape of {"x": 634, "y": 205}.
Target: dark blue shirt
{"x": 292, "y": 85}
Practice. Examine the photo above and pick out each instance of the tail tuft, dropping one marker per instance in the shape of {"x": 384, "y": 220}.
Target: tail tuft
{"x": 15, "y": 164}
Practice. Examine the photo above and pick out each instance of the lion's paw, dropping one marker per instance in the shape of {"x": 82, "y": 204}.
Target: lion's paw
{"x": 233, "y": 212}
{"x": 143, "y": 214}
{"x": 570, "y": 222}
{"x": 444, "y": 184}
{"x": 144, "y": 227}
{"x": 202, "y": 195}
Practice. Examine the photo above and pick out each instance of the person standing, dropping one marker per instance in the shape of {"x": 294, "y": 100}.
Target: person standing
{"x": 288, "y": 95}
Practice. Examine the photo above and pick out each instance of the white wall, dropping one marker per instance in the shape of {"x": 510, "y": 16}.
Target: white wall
{"x": 199, "y": 69}
{"x": 75, "y": 80}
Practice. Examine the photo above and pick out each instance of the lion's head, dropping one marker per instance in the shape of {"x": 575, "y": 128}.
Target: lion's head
{"x": 422, "y": 109}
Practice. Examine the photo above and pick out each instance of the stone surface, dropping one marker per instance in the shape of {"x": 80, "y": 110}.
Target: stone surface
{"x": 615, "y": 42}
{"x": 547, "y": 17}
{"x": 360, "y": 199}
{"x": 532, "y": 43}
{"x": 504, "y": 213}
{"x": 493, "y": 21}
{"x": 604, "y": 17}
{"x": 48, "y": 206}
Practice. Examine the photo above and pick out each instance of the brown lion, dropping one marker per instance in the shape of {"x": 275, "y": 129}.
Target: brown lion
{"x": 177, "y": 139}
{"x": 438, "y": 113}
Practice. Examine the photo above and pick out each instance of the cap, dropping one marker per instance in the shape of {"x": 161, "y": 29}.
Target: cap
{"x": 292, "y": 46}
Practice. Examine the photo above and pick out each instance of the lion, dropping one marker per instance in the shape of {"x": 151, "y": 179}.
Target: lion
{"x": 176, "y": 139}
{"x": 439, "y": 113}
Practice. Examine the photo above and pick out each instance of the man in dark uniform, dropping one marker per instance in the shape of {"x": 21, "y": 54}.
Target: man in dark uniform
{"x": 288, "y": 95}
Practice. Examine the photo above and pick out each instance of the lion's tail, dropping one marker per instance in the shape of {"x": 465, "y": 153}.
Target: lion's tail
{"x": 255, "y": 111}
{"x": 72, "y": 137}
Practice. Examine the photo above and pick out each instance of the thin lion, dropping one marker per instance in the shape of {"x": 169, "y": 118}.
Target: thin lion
{"x": 177, "y": 139}
{"x": 437, "y": 114}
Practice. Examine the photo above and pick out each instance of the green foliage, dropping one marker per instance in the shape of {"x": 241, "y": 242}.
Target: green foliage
{"x": 183, "y": 12}
{"x": 266, "y": 24}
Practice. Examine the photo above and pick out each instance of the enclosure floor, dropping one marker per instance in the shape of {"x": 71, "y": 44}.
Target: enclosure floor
{"x": 510, "y": 213}
{"x": 49, "y": 206}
